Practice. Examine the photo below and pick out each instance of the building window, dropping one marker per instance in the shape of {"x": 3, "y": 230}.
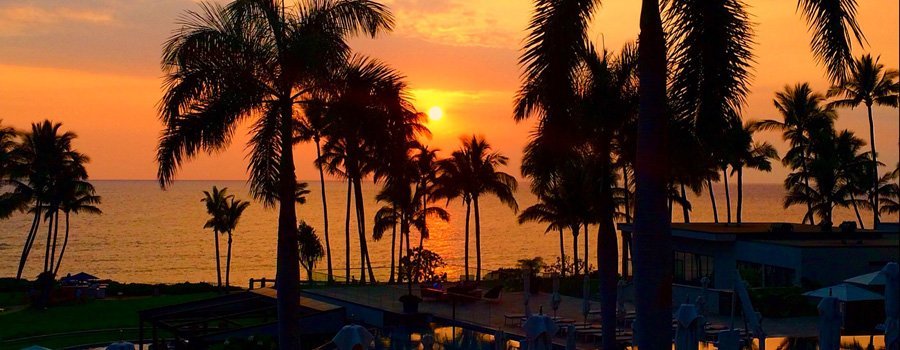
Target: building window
{"x": 762, "y": 275}
{"x": 690, "y": 268}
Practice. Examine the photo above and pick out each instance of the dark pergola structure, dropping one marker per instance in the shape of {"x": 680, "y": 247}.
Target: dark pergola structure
{"x": 198, "y": 324}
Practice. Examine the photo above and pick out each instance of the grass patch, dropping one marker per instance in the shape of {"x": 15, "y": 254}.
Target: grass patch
{"x": 112, "y": 313}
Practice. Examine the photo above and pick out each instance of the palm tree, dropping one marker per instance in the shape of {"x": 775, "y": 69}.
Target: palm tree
{"x": 256, "y": 58}
{"x": 889, "y": 189}
{"x": 41, "y": 165}
{"x": 232, "y": 214}
{"x": 455, "y": 181}
{"x": 552, "y": 210}
{"x": 313, "y": 127}
{"x": 426, "y": 165}
{"x": 487, "y": 180}
{"x": 79, "y": 197}
{"x": 868, "y": 83}
{"x": 8, "y": 137}
{"x": 803, "y": 114}
{"x": 836, "y": 160}
{"x": 310, "y": 248}
{"x": 751, "y": 155}
{"x": 216, "y": 206}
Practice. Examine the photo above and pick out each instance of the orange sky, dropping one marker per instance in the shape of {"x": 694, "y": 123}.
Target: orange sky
{"x": 93, "y": 65}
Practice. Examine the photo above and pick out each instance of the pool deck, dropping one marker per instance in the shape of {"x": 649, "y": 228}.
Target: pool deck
{"x": 491, "y": 316}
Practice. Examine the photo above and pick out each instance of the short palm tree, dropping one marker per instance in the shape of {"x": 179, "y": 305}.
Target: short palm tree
{"x": 553, "y": 210}
{"x": 310, "y": 247}
{"x": 8, "y": 136}
{"x": 256, "y": 60}
{"x": 79, "y": 197}
{"x": 232, "y": 212}
{"x": 889, "y": 189}
{"x": 216, "y": 206}
{"x": 868, "y": 83}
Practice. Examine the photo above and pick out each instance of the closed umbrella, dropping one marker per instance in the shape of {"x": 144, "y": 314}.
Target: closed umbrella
{"x": 829, "y": 323}
{"x": 585, "y": 294}
{"x": 427, "y": 342}
{"x": 689, "y": 328}
{"x": 556, "y": 299}
{"x": 353, "y": 337}
{"x": 845, "y": 292}
{"x": 891, "y": 273}
{"x": 539, "y": 332}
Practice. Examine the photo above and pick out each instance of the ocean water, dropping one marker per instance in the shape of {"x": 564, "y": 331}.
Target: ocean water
{"x": 146, "y": 234}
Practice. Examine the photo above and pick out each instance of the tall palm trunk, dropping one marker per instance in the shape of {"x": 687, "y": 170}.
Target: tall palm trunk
{"x": 587, "y": 246}
{"x": 685, "y": 212}
{"x": 466, "y": 254}
{"x": 477, "y": 239}
{"x": 324, "y": 213}
{"x": 740, "y": 192}
{"x": 400, "y": 253}
{"x": 228, "y": 263}
{"x": 575, "y": 230}
{"x": 712, "y": 199}
{"x": 875, "y": 217}
{"x": 51, "y": 268}
{"x": 607, "y": 256}
{"x": 218, "y": 262}
{"x": 626, "y": 238}
{"x": 808, "y": 217}
{"x": 856, "y": 210}
{"x": 727, "y": 194}
{"x": 363, "y": 242}
{"x": 562, "y": 254}
{"x": 62, "y": 250}
{"x": 652, "y": 228}
{"x": 29, "y": 240}
{"x": 288, "y": 259}
{"x": 393, "y": 251}
{"x": 347, "y": 232}
{"x": 47, "y": 246}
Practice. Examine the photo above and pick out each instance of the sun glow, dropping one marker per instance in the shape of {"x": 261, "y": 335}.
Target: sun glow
{"x": 435, "y": 113}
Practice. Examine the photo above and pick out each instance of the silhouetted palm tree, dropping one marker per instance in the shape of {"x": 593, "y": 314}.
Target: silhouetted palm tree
{"x": 748, "y": 154}
{"x": 869, "y": 83}
{"x": 426, "y": 165}
{"x": 313, "y": 127}
{"x": 42, "y": 166}
{"x": 8, "y": 137}
{"x": 836, "y": 159}
{"x": 487, "y": 180}
{"x": 216, "y": 206}
{"x": 310, "y": 248}
{"x": 889, "y": 189}
{"x": 232, "y": 215}
{"x": 456, "y": 181}
{"x": 553, "y": 210}
{"x": 257, "y": 58}
{"x": 78, "y": 197}
{"x": 803, "y": 114}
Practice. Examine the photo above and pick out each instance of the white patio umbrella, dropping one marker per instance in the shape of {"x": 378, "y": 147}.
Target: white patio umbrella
{"x": 570, "y": 337}
{"x": 869, "y": 279}
{"x": 830, "y": 320}
{"x": 556, "y": 299}
{"x": 539, "y": 331}
{"x": 122, "y": 345}
{"x": 891, "y": 273}
{"x": 845, "y": 292}
{"x": 353, "y": 337}
{"x": 526, "y": 294}
{"x": 586, "y": 297}
{"x": 689, "y": 328}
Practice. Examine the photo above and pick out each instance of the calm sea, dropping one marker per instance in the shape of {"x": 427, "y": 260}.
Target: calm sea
{"x": 149, "y": 235}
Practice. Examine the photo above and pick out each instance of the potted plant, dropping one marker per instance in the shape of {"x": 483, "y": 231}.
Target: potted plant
{"x": 418, "y": 265}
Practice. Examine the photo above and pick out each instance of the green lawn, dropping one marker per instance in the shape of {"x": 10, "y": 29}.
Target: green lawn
{"x": 95, "y": 315}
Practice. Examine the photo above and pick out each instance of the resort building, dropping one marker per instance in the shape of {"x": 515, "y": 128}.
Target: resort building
{"x": 771, "y": 255}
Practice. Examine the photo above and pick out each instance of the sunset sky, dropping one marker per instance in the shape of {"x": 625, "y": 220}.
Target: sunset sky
{"x": 94, "y": 66}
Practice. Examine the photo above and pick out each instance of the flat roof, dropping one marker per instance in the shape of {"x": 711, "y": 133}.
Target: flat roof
{"x": 766, "y": 231}
{"x": 837, "y": 243}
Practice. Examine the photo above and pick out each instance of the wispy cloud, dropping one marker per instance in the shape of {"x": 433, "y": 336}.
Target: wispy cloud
{"x": 498, "y": 23}
{"x": 20, "y": 19}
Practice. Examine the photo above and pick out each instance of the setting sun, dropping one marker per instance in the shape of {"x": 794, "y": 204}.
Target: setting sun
{"x": 435, "y": 113}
